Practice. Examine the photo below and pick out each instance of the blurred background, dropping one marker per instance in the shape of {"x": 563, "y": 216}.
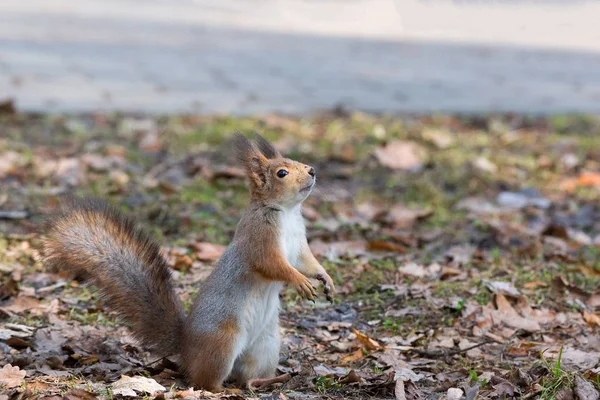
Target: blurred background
{"x": 296, "y": 56}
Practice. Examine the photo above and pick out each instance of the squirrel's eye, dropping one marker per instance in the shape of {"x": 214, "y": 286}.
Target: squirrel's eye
{"x": 282, "y": 173}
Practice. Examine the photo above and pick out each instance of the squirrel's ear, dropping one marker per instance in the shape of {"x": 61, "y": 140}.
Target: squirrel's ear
{"x": 243, "y": 148}
{"x": 257, "y": 167}
{"x": 256, "y": 163}
{"x": 265, "y": 147}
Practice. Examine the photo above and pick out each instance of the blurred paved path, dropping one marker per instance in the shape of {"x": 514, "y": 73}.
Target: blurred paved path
{"x": 254, "y": 56}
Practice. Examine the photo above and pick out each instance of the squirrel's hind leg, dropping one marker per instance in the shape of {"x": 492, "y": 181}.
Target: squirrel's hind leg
{"x": 209, "y": 357}
{"x": 261, "y": 358}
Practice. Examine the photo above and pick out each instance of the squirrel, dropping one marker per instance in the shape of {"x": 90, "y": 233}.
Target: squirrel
{"x": 232, "y": 330}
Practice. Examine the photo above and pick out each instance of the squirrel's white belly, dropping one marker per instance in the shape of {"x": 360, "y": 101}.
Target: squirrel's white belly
{"x": 263, "y": 305}
{"x": 292, "y": 234}
{"x": 261, "y": 310}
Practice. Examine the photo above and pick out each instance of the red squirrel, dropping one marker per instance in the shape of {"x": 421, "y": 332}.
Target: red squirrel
{"x": 232, "y": 330}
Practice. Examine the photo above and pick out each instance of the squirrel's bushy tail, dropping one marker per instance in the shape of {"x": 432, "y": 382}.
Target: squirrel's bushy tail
{"x": 89, "y": 236}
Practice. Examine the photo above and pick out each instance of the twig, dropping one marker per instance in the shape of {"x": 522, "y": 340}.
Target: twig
{"x": 264, "y": 383}
{"x": 50, "y": 288}
{"x": 450, "y": 352}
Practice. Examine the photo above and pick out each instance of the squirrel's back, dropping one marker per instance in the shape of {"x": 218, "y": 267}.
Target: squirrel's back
{"x": 91, "y": 238}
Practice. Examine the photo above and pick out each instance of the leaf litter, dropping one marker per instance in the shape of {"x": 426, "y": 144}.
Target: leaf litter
{"x": 465, "y": 251}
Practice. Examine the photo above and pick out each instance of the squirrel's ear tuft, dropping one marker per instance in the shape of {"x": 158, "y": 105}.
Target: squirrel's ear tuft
{"x": 265, "y": 147}
{"x": 255, "y": 162}
{"x": 243, "y": 148}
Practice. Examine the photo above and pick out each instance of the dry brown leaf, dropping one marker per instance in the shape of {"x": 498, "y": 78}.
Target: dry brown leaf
{"x": 128, "y": 386}
{"x": 402, "y": 217}
{"x": 441, "y": 139}
{"x": 79, "y": 394}
{"x": 591, "y": 318}
{"x": 357, "y": 355}
{"x": 419, "y": 271}
{"x": 401, "y": 154}
{"x": 208, "y": 251}
{"x": 366, "y": 341}
{"x": 383, "y": 245}
{"x": 585, "y": 389}
{"x": 534, "y": 285}
{"x": 399, "y": 390}
{"x": 11, "y": 376}
{"x": 560, "y": 285}
{"x": 593, "y": 301}
{"x": 586, "y": 179}
{"x": 575, "y": 358}
{"x": 449, "y": 272}
{"x": 350, "y": 377}
{"x": 183, "y": 262}
{"x": 24, "y": 303}
{"x": 589, "y": 271}
{"x": 522, "y": 349}
{"x": 506, "y": 314}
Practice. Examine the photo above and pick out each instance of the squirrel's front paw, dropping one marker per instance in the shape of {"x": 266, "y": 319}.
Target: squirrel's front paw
{"x": 328, "y": 286}
{"x": 306, "y": 289}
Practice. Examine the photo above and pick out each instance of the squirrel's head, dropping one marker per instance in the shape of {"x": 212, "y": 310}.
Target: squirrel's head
{"x": 273, "y": 178}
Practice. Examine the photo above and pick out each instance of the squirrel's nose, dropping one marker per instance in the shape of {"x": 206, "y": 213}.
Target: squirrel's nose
{"x": 311, "y": 171}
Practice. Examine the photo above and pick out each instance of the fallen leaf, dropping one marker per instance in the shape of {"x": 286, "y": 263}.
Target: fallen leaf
{"x": 9, "y": 161}
{"x": 484, "y": 165}
{"x": 322, "y": 370}
{"x": 399, "y": 390}
{"x": 15, "y": 330}
{"x": 503, "y": 388}
{"x": 585, "y": 389}
{"x": 79, "y": 394}
{"x": 407, "y": 374}
{"x": 24, "y": 303}
{"x": 591, "y": 318}
{"x": 586, "y": 179}
{"x": 449, "y": 272}
{"x": 350, "y": 377}
{"x": 454, "y": 394}
{"x": 128, "y": 386}
{"x": 501, "y": 287}
{"x": 357, "y": 355}
{"x": 99, "y": 163}
{"x": 402, "y": 217}
{"x": 366, "y": 341}
{"x": 441, "y": 139}
{"x": 571, "y": 357}
{"x": 506, "y": 314}
{"x": 556, "y": 230}
{"x": 11, "y": 376}
{"x": 400, "y": 154}
{"x": 383, "y": 245}
{"x": 472, "y": 392}
{"x": 183, "y": 262}
{"x": 460, "y": 254}
{"x": 419, "y": 271}
{"x": 208, "y": 251}
{"x": 564, "y": 394}
{"x": 534, "y": 285}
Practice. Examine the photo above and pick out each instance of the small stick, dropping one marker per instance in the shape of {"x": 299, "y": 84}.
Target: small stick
{"x": 448, "y": 353}
{"x": 263, "y": 383}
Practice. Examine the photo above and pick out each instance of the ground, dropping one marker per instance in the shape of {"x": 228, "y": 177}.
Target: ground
{"x": 464, "y": 249}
